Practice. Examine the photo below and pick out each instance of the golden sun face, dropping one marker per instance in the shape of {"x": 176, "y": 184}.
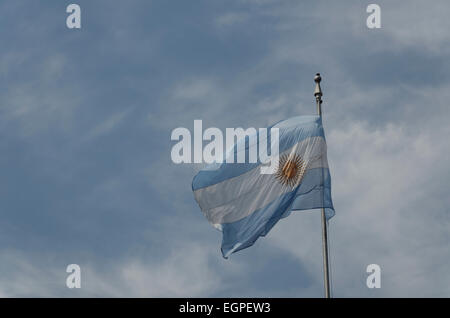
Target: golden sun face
{"x": 290, "y": 169}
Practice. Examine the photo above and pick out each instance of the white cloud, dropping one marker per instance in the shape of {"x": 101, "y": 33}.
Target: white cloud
{"x": 108, "y": 125}
{"x": 231, "y": 19}
{"x": 19, "y": 277}
{"x": 185, "y": 272}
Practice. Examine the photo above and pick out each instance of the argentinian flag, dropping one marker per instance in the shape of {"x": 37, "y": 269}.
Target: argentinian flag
{"x": 245, "y": 204}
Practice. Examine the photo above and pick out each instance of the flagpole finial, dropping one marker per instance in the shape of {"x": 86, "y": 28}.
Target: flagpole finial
{"x": 318, "y": 90}
{"x": 318, "y": 93}
{"x": 317, "y": 78}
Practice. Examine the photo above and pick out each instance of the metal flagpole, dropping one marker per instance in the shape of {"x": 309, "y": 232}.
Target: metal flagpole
{"x": 326, "y": 270}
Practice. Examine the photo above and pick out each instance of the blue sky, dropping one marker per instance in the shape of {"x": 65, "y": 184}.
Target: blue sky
{"x": 85, "y": 123}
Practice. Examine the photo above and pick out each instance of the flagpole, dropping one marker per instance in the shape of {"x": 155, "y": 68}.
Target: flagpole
{"x": 326, "y": 272}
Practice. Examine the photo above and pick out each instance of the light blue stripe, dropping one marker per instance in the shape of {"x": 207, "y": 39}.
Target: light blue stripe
{"x": 291, "y": 131}
{"x": 311, "y": 197}
{"x": 310, "y": 194}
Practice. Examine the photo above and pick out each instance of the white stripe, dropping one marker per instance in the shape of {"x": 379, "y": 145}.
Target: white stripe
{"x": 238, "y": 197}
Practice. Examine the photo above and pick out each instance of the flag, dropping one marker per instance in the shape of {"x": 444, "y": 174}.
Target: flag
{"x": 245, "y": 204}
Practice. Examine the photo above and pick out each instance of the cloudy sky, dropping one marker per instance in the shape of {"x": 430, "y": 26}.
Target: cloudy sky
{"x": 86, "y": 116}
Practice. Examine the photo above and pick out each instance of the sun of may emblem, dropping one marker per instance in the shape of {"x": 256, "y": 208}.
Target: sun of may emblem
{"x": 290, "y": 169}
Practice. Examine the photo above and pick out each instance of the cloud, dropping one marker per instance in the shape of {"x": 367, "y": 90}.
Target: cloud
{"x": 107, "y": 125}
{"x": 231, "y": 19}
{"x": 118, "y": 205}
{"x": 21, "y": 278}
{"x": 185, "y": 272}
